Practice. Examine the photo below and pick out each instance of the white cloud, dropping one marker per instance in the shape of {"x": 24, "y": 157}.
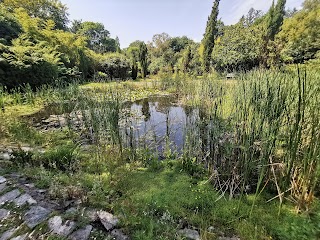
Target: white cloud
{"x": 232, "y": 10}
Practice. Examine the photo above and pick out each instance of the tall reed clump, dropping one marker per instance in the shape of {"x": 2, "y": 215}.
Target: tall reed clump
{"x": 277, "y": 133}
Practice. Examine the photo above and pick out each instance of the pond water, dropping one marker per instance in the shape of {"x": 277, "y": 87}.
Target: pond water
{"x": 157, "y": 122}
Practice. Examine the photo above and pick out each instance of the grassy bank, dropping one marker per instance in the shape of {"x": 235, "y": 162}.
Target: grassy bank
{"x": 249, "y": 166}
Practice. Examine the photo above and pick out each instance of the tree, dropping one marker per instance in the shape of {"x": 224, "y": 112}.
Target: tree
{"x": 186, "y": 59}
{"x": 252, "y": 16}
{"x": 275, "y": 20}
{"x": 9, "y": 26}
{"x": 210, "y": 36}
{"x": 299, "y": 38}
{"x": 133, "y": 53}
{"x": 98, "y": 37}
{"x": 238, "y": 48}
{"x": 143, "y": 53}
{"x": 177, "y": 44}
{"x": 44, "y": 9}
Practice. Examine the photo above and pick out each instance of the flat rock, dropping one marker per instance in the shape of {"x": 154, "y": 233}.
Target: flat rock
{"x": 56, "y": 226}
{"x": 24, "y": 199}
{"x": 35, "y": 216}
{"x": 29, "y": 185}
{"x": 2, "y": 179}
{"x": 119, "y": 235}
{"x": 9, "y": 196}
{"x": 81, "y": 234}
{"x": 5, "y": 156}
{"x": 21, "y": 237}
{"x": 189, "y": 234}
{"x": 3, "y": 186}
{"x": 108, "y": 220}
{"x": 4, "y": 213}
{"x": 92, "y": 215}
{"x": 8, "y": 234}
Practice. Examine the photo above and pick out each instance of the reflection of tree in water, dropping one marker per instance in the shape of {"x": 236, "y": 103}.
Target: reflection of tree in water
{"x": 146, "y": 110}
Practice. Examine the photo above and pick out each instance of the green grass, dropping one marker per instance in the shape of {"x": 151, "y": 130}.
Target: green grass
{"x": 154, "y": 199}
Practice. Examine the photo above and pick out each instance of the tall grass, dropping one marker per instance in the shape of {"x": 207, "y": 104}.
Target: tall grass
{"x": 261, "y": 133}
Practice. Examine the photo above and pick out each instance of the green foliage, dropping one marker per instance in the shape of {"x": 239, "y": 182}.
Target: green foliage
{"x": 98, "y": 38}
{"x": 143, "y": 53}
{"x": 300, "y": 34}
{"x": 210, "y": 36}
{"x": 62, "y": 158}
{"x": 26, "y": 62}
{"x": 133, "y": 53}
{"x": 237, "y": 49}
{"x": 9, "y": 26}
{"x": 45, "y": 9}
{"x": 115, "y": 65}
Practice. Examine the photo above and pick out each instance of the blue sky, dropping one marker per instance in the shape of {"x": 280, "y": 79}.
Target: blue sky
{"x": 132, "y": 20}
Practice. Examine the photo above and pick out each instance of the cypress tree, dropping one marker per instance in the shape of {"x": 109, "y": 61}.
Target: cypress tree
{"x": 210, "y": 36}
{"x": 276, "y": 16}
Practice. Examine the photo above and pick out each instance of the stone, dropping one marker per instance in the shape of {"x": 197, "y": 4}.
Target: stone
{"x": 8, "y": 234}
{"x": 211, "y": 229}
{"x": 119, "y": 235}
{"x": 92, "y": 215}
{"x": 56, "y": 226}
{"x": 2, "y": 179}
{"x": 71, "y": 210}
{"x": 29, "y": 185}
{"x": 108, "y": 220}
{"x": 9, "y": 196}
{"x": 5, "y": 156}
{"x": 4, "y": 213}
{"x": 81, "y": 234}
{"x": 21, "y": 237}
{"x": 2, "y": 186}
{"x": 190, "y": 234}
{"x": 27, "y": 149}
{"x": 35, "y": 216}
{"x": 41, "y": 191}
{"x": 24, "y": 199}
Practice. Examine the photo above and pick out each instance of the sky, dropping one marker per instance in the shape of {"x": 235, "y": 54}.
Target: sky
{"x": 132, "y": 20}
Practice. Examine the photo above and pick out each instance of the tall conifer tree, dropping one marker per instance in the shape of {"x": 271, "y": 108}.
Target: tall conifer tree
{"x": 210, "y": 36}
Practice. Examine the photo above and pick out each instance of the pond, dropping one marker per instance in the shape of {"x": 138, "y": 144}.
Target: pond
{"x": 158, "y": 122}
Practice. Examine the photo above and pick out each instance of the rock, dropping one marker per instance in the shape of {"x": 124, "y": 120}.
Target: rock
{"x": 189, "y": 234}
{"x": 108, "y": 220}
{"x": 211, "y": 229}
{"x": 41, "y": 191}
{"x": 9, "y": 196}
{"x": 35, "y": 216}
{"x": 21, "y": 237}
{"x": 2, "y": 179}
{"x": 5, "y": 156}
{"x": 2, "y": 186}
{"x": 119, "y": 235}
{"x": 8, "y": 234}
{"x": 27, "y": 149}
{"x": 92, "y": 215}
{"x": 4, "y": 213}
{"x": 56, "y": 226}
{"x": 29, "y": 185}
{"x": 81, "y": 234}
{"x": 24, "y": 199}
{"x": 71, "y": 210}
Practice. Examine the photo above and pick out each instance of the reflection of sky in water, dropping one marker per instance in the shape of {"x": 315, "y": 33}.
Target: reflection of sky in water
{"x": 155, "y": 120}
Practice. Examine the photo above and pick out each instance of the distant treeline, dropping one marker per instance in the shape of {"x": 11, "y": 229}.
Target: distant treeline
{"x": 39, "y": 44}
